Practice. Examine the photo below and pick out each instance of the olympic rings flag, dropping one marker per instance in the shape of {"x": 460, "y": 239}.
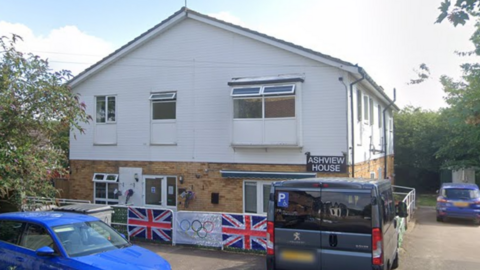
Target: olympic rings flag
{"x": 197, "y": 228}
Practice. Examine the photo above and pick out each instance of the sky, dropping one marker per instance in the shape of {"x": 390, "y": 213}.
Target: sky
{"x": 388, "y": 38}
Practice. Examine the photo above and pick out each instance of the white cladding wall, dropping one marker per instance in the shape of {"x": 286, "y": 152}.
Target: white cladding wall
{"x": 197, "y": 61}
{"x": 368, "y": 137}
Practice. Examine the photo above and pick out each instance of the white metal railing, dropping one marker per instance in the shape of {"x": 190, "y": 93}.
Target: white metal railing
{"x": 409, "y": 199}
{"x": 44, "y": 203}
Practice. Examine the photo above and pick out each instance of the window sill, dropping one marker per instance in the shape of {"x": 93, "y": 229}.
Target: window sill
{"x": 266, "y": 146}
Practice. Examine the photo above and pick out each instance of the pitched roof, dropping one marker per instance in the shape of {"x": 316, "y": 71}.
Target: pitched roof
{"x": 184, "y": 13}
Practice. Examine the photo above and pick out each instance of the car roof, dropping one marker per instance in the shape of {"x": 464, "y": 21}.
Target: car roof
{"x": 48, "y": 218}
{"x": 460, "y": 185}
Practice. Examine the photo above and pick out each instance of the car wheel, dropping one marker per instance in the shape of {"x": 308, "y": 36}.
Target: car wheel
{"x": 439, "y": 219}
{"x": 395, "y": 262}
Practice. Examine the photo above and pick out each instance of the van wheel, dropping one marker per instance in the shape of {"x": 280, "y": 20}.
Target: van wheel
{"x": 395, "y": 262}
{"x": 439, "y": 219}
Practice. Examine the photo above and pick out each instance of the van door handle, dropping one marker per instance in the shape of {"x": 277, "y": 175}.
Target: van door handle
{"x": 19, "y": 259}
{"x": 333, "y": 240}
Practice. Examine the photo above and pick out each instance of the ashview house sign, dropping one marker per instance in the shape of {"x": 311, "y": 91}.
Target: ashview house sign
{"x": 329, "y": 164}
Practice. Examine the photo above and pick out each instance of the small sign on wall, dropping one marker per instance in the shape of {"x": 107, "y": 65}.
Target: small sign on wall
{"x": 327, "y": 164}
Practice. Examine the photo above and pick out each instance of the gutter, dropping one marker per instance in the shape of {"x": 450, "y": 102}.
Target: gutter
{"x": 360, "y": 70}
{"x": 385, "y": 132}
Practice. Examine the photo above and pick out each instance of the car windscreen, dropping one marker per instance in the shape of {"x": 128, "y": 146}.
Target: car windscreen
{"x": 328, "y": 210}
{"x": 460, "y": 193}
{"x": 87, "y": 238}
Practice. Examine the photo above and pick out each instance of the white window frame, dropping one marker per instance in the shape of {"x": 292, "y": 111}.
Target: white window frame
{"x": 371, "y": 110}
{"x": 106, "y": 109}
{"x": 164, "y": 191}
{"x": 260, "y": 198}
{"x": 359, "y": 105}
{"x": 162, "y": 97}
{"x": 105, "y": 178}
{"x": 263, "y": 96}
{"x": 380, "y": 118}
{"x": 366, "y": 110}
{"x": 262, "y": 90}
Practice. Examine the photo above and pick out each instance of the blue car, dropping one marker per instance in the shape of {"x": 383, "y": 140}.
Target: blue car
{"x": 62, "y": 240}
{"x": 458, "y": 200}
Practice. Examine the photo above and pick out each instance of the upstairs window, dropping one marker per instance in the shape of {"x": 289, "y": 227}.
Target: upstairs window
{"x": 164, "y": 106}
{"x": 365, "y": 108}
{"x": 372, "y": 118}
{"x": 105, "y": 109}
{"x": 359, "y": 105}
{"x": 259, "y": 102}
{"x": 380, "y": 116}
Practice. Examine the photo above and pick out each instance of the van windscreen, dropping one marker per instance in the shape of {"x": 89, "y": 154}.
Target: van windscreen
{"x": 337, "y": 211}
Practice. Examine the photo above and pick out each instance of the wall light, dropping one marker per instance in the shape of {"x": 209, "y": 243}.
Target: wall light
{"x": 135, "y": 176}
{"x": 180, "y": 179}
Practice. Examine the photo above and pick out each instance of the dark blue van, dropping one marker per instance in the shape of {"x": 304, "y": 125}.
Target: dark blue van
{"x": 332, "y": 223}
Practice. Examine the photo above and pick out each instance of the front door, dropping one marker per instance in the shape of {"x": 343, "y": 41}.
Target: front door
{"x": 160, "y": 191}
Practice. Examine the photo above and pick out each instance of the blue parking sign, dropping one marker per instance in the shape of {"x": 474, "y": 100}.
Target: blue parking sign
{"x": 282, "y": 200}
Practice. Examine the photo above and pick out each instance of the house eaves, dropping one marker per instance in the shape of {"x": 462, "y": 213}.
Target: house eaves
{"x": 380, "y": 91}
{"x": 184, "y": 13}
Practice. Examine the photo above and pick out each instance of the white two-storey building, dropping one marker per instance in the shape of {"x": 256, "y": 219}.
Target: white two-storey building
{"x": 202, "y": 114}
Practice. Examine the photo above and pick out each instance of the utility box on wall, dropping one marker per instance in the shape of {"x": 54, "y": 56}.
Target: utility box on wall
{"x": 131, "y": 179}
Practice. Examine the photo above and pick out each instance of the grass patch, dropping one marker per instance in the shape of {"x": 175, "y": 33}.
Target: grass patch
{"x": 426, "y": 199}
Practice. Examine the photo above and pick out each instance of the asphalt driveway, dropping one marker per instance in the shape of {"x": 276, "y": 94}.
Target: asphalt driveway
{"x": 428, "y": 245}
{"x": 192, "y": 258}
{"x": 431, "y": 245}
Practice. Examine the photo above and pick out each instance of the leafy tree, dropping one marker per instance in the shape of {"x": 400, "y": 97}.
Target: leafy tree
{"x": 35, "y": 105}
{"x": 460, "y": 12}
{"x": 460, "y": 143}
{"x": 417, "y": 133}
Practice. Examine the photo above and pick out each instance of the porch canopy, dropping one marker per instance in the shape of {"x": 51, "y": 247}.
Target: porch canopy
{"x": 266, "y": 175}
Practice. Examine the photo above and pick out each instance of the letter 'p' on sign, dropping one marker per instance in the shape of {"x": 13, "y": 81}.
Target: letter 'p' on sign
{"x": 282, "y": 200}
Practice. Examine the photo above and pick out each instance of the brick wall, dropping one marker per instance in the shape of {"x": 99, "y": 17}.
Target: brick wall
{"x": 363, "y": 169}
{"x": 202, "y": 178}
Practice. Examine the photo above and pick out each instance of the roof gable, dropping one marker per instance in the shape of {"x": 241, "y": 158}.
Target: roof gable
{"x": 185, "y": 13}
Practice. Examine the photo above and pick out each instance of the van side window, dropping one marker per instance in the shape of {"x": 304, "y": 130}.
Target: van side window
{"x": 387, "y": 206}
{"x": 346, "y": 211}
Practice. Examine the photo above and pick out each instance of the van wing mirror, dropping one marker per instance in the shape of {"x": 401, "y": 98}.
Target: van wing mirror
{"x": 401, "y": 210}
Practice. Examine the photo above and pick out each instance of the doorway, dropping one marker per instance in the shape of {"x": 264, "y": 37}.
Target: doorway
{"x": 160, "y": 191}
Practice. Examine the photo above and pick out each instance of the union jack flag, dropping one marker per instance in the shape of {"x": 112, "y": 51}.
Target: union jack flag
{"x": 154, "y": 224}
{"x": 244, "y": 231}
